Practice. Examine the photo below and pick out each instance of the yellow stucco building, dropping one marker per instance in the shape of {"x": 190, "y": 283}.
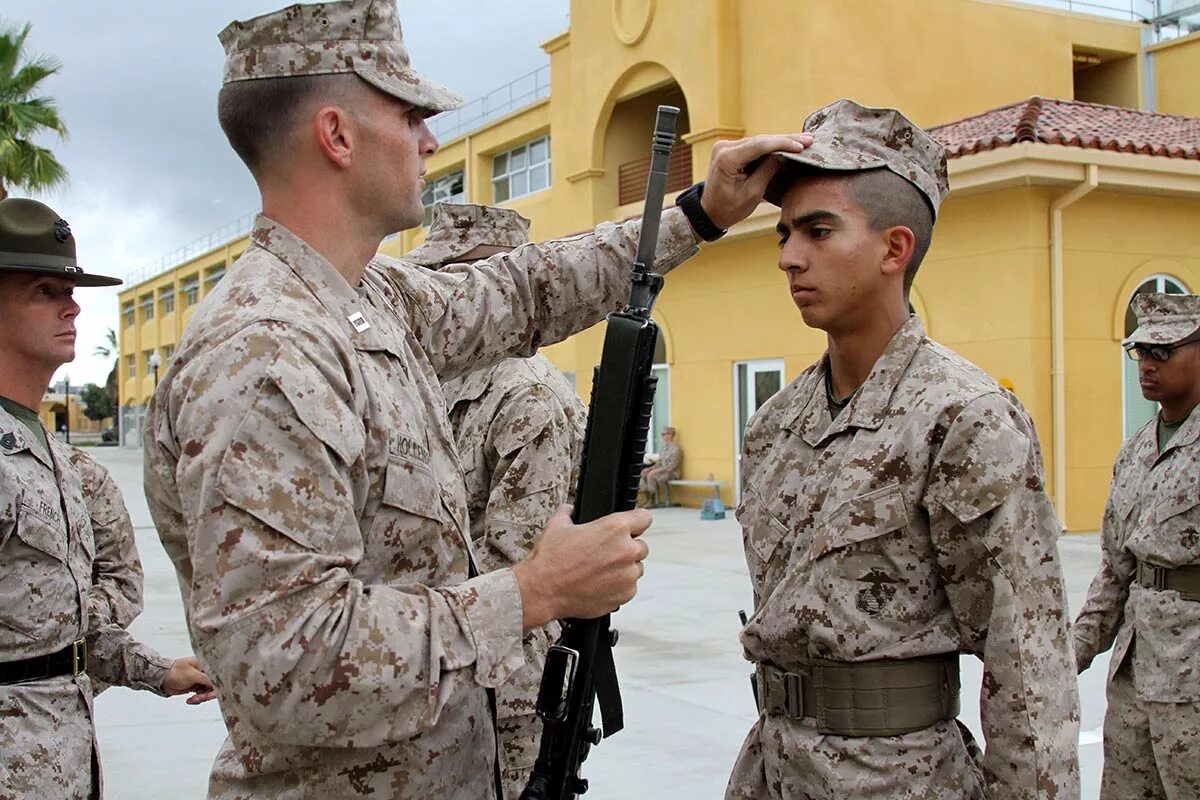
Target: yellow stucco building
{"x": 1059, "y": 211}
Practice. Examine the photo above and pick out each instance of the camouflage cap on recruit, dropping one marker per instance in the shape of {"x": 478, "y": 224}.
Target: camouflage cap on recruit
{"x": 1164, "y": 318}
{"x": 459, "y": 228}
{"x": 849, "y": 137}
{"x": 36, "y": 240}
{"x": 362, "y": 37}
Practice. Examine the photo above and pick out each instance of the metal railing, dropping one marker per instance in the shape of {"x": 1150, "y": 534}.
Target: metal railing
{"x": 1168, "y": 18}
{"x": 516, "y": 94}
{"x": 210, "y": 241}
{"x": 1132, "y": 10}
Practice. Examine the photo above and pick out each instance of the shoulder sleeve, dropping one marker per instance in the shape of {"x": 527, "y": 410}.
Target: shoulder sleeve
{"x": 995, "y": 534}
{"x": 116, "y": 593}
{"x": 469, "y": 316}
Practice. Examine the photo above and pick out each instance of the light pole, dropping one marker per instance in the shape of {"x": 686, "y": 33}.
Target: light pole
{"x": 67, "y": 403}
{"x": 154, "y": 361}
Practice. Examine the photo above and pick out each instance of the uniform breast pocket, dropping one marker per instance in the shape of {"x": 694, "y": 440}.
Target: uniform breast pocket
{"x": 862, "y": 557}
{"x": 412, "y": 525}
{"x": 763, "y": 536}
{"x": 1177, "y": 514}
{"x": 34, "y": 578}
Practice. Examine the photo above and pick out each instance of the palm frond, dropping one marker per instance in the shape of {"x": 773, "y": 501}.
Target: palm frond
{"x": 33, "y": 168}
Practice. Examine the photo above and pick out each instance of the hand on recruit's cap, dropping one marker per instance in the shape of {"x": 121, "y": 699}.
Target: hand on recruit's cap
{"x": 731, "y": 192}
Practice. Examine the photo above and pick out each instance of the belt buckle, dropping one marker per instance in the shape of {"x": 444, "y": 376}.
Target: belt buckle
{"x": 79, "y": 657}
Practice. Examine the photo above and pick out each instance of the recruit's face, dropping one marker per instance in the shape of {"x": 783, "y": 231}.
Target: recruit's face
{"x": 1173, "y": 379}
{"x": 39, "y": 319}
{"x": 395, "y": 143}
{"x": 830, "y": 255}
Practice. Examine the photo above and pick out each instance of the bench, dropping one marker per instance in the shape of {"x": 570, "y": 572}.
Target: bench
{"x": 716, "y": 486}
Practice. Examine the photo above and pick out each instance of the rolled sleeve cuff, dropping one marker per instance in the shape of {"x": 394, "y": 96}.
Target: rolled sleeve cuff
{"x": 677, "y": 242}
{"x": 489, "y": 612}
{"x": 148, "y": 670}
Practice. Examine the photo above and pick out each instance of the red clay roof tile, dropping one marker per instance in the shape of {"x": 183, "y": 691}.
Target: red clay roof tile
{"x": 1073, "y": 124}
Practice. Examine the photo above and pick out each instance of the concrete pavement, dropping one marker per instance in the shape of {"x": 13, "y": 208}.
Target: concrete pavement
{"x": 685, "y": 685}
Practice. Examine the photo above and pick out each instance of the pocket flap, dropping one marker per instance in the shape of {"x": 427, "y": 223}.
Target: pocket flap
{"x": 411, "y": 487}
{"x": 1180, "y": 493}
{"x": 762, "y": 531}
{"x": 860, "y": 518}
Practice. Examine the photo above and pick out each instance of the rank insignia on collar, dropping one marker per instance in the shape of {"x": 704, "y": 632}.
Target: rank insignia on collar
{"x": 358, "y": 321}
{"x": 8, "y": 441}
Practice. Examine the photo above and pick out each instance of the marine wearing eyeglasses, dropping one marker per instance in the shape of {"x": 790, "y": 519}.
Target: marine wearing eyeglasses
{"x": 1145, "y": 601}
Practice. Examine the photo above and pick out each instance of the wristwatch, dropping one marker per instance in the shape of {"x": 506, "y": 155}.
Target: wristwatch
{"x": 689, "y": 203}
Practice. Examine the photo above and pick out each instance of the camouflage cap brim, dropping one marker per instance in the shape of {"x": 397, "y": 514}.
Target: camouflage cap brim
{"x": 1162, "y": 331}
{"x": 412, "y": 87}
{"x": 819, "y": 155}
{"x": 434, "y": 254}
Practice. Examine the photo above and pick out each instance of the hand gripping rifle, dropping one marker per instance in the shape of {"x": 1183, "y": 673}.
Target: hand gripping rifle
{"x": 579, "y": 669}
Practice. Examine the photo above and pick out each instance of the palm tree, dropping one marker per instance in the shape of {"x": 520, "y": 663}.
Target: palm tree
{"x": 110, "y": 350}
{"x": 22, "y": 116}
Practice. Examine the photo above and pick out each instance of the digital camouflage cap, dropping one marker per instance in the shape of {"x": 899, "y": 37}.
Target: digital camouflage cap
{"x": 848, "y": 137}
{"x": 362, "y": 37}
{"x": 35, "y": 239}
{"x": 1164, "y": 318}
{"x": 459, "y": 228}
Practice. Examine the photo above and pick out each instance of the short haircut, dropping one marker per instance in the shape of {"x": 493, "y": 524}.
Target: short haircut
{"x": 258, "y": 116}
{"x": 889, "y": 200}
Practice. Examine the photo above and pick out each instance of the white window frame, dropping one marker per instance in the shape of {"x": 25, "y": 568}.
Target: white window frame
{"x": 166, "y": 297}
{"x": 441, "y": 190}
{"x": 662, "y": 391}
{"x": 190, "y": 289}
{"x": 504, "y": 174}
{"x": 753, "y": 368}
{"x": 131, "y": 365}
{"x": 1128, "y": 367}
{"x": 146, "y": 303}
{"x": 129, "y": 312}
{"x": 213, "y": 276}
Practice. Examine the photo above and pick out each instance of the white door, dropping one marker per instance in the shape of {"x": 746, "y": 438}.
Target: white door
{"x": 1139, "y": 410}
{"x": 753, "y": 383}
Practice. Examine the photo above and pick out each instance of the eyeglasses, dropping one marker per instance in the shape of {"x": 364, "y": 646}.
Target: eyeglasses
{"x": 1158, "y": 352}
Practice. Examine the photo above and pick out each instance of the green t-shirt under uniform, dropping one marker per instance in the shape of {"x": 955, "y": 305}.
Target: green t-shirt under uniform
{"x": 29, "y": 418}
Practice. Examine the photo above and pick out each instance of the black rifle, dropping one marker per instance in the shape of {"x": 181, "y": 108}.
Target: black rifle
{"x": 579, "y": 669}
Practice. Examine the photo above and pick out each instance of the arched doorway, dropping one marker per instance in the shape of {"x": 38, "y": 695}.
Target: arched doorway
{"x": 660, "y": 414}
{"x": 1139, "y": 410}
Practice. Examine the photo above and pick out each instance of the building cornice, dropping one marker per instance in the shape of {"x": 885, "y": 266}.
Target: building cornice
{"x": 1037, "y": 164}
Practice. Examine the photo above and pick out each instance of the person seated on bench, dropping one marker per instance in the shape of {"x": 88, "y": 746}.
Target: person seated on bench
{"x": 667, "y": 468}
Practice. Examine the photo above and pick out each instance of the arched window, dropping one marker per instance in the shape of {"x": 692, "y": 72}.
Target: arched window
{"x": 1139, "y": 410}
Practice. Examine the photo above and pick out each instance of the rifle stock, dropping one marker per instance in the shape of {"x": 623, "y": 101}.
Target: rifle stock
{"x": 579, "y": 668}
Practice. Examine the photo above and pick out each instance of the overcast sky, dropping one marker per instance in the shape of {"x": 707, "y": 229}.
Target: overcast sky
{"x": 150, "y": 168}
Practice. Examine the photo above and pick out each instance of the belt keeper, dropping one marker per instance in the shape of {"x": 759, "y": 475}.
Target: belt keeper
{"x": 1160, "y": 577}
{"x": 79, "y": 656}
{"x": 794, "y": 694}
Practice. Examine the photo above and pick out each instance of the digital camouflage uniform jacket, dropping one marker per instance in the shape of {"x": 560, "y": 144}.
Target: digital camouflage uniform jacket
{"x": 519, "y": 427}
{"x": 116, "y": 594}
{"x": 302, "y": 474}
{"x": 1153, "y": 513}
{"x": 914, "y": 524}
{"x": 46, "y": 565}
